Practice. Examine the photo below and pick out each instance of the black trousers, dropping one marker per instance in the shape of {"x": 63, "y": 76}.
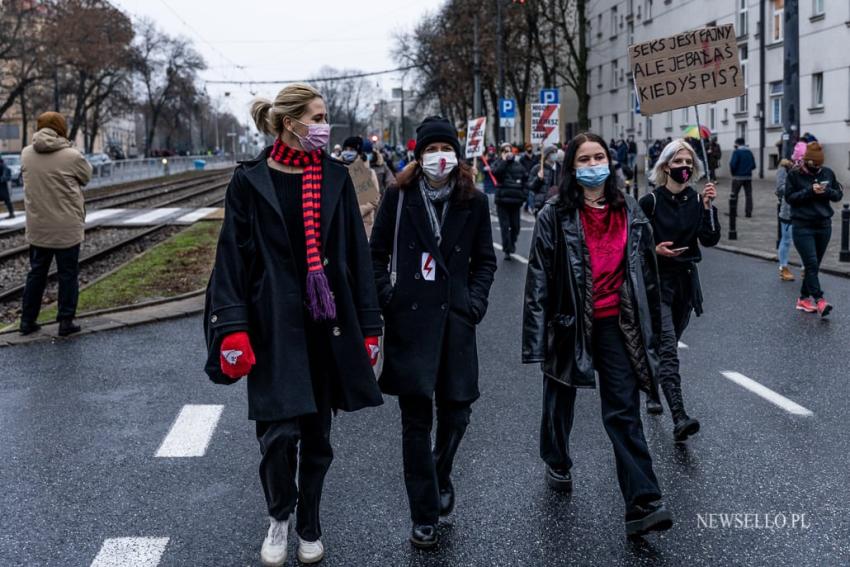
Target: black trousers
{"x": 619, "y": 394}
{"x": 300, "y": 446}
{"x": 509, "y": 225}
{"x": 676, "y": 307}
{"x": 747, "y": 184}
{"x": 68, "y": 271}
{"x": 811, "y": 244}
{"x": 6, "y": 198}
{"x": 426, "y": 470}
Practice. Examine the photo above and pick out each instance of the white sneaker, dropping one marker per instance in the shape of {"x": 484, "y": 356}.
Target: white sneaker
{"x": 273, "y": 552}
{"x": 310, "y": 551}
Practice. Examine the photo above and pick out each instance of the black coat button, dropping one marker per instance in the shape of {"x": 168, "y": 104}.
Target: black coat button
{"x": 415, "y": 306}
{"x": 457, "y": 249}
{"x": 412, "y": 245}
{"x": 444, "y": 306}
{"x": 417, "y": 276}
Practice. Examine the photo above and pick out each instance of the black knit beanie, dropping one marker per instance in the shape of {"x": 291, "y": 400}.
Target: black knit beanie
{"x": 354, "y": 142}
{"x": 436, "y": 129}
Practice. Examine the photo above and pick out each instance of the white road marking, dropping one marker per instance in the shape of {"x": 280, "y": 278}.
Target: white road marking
{"x": 196, "y": 215}
{"x": 102, "y": 214}
{"x": 130, "y": 551}
{"x": 20, "y": 218}
{"x": 151, "y": 216}
{"x": 767, "y": 393}
{"x": 191, "y": 431}
{"x": 682, "y": 345}
{"x": 516, "y": 257}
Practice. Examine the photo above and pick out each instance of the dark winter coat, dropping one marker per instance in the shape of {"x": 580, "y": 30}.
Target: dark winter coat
{"x": 257, "y": 287}
{"x": 430, "y": 325}
{"x": 742, "y": 163}
{"x": 558, "y": 313}
{"x": 512, "y": 176}
{"x": 5, "y": 177}
{"x": 807, "y": 207}
{"x": 540, "y": 187}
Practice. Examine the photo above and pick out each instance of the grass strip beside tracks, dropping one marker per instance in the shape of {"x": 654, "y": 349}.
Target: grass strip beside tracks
{"x": 176, "y": 266}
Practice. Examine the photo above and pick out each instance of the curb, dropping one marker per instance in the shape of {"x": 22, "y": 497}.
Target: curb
{"x": 769, "y": 257}
{"x": 116, "y": 318}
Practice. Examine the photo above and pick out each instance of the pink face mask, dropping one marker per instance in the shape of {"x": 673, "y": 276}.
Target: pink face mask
{"x": 317, "y": 136}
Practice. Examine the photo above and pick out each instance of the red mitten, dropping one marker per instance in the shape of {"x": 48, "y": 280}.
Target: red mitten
{"x": 372, "y": 349}
{"x": 237, "y": 356}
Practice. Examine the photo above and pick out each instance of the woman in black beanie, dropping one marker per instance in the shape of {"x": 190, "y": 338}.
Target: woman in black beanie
{"x": 433, "y": 257}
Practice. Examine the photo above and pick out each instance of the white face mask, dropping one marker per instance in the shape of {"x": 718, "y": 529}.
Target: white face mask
{"x": 438, "y": 165}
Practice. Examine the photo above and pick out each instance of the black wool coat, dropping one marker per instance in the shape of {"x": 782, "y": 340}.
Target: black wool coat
{"x": 257, "y": 286}
{"x": 430, "y": 317}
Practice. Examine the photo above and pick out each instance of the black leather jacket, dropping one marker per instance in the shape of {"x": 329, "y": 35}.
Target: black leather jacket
{"x": 558, "y": 312}
{"x": 511, "y": 175}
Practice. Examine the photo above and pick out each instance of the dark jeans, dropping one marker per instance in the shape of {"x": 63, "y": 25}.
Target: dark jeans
{"x": 68, "y": 271}
{"x": 300, "y": 446}
{"x": 676, "y": 307}
{"x": 619, "y": 394}
{"x": 811, "y": 244}
{"x": 426, "y": 470}
{"x": 747, "y": 184}
{"x": 6, "y": 198}
{"x": 509, "y": 225}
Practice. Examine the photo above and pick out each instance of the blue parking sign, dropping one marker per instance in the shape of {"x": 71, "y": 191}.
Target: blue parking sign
{"x": 507, "y": 108}
{"x": 549, "y": 96}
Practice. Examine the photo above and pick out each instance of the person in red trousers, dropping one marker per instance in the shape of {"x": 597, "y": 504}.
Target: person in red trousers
{"x": 291, "y": 305}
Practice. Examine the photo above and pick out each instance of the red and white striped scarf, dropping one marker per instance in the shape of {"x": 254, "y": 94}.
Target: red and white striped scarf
{"x": 320, "y": 300}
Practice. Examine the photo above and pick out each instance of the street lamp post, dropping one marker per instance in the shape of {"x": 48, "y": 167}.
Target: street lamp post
{"x": 500, "y": 60}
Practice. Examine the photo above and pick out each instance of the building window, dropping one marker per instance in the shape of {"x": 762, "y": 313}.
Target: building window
{"x": 743, "y": 56}
{"x": 669, "y": 120}
{"x": 777, "y": 8}
{"x": 817, "y": 90}
{"x": 686, "y": 116}
{"x": 817, "y": 7}
{"x": 741, "y": 130}
{"x": 599, "y": 25}
{"x": 743, "y": 22}
{"x": 776, "y": 103}
{"x": 712, "y": 118}
{"x": 614, "y": 21}
{"x": 615, "y": 70}
{"x": 647, "y": 10}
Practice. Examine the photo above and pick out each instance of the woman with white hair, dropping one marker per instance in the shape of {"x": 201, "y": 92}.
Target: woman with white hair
{"x": 682, "y": 219}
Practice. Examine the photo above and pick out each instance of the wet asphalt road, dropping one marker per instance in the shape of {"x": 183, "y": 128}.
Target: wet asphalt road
{"x": 82, "y": 419}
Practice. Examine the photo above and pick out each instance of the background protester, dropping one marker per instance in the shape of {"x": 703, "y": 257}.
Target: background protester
{"x": 54, "y": 175}
{"x": 383, "y": 173}
{"x": 741, "y": 165}
{"x": 682, "y": 220}
{"x": 810, "y": 189}
{"x": 785, "y": 226}
{"x": 714, "y": 155}
{"x": 5, "y": 178}
{"x": 544, "y": 177}
{"x": 432, "y": 250}
{"x": 592, "y": 306}
{"x": 511, "y": 193}
{"x": 291, "y": 304}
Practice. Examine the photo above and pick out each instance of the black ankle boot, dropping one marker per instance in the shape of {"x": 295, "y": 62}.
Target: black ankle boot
{"x": 67, "y": 327}
{"x": 446, "y": 445}
{"x": 654, "y": 407}
{"x": 28, "y": 328}
{"x": 447, "y": 499}
{"x": 559, "y": 480}
{"x": 424, "y": 536}
{"x": 683, "y": 425}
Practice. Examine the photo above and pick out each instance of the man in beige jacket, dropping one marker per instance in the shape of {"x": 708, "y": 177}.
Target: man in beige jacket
{"x": 54, "y": 175}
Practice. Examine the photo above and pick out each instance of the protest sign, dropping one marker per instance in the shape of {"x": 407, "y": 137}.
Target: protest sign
{"x": 686, "y": 69}
{"x": 365, "y": 181}
{"x": 545, "y": 122}
{"x": 475, "y": 137}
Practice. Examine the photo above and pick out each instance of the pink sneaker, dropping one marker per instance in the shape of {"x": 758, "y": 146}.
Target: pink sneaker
{"x": 806, "y": 305}
{"x": 823, "y": 307}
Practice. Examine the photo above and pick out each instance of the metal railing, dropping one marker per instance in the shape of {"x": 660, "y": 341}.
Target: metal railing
{"x": 121, "y": 171}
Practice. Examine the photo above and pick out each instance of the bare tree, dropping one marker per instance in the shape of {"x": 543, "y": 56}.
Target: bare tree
{"x": 163, "y": 64}
{"x": 21, "y": 49}
{"x": 348, "y": 100}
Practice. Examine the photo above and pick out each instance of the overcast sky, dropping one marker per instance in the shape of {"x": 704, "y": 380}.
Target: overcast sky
{"x": 283, "y": 40}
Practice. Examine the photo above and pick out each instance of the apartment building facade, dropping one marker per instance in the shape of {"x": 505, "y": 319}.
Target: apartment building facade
{"x": 824, "y": 32}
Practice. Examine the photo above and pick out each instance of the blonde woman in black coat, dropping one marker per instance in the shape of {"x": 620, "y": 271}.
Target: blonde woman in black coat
{"x": 432, "y": 297}
{"x": 290, "y": 303}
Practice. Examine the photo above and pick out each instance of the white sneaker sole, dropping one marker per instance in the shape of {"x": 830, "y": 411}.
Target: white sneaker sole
{"x": 310, "y": 560}
{"x": 272, "y": 562}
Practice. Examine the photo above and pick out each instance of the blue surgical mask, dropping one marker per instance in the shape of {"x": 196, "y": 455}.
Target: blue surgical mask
{"x": 593, "y": 176}
{"x": 348, "y": 156}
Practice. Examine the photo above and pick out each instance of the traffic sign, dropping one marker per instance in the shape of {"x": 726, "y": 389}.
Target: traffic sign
{"x": 549, "y": 96}
{"x": 507, "y": 108}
